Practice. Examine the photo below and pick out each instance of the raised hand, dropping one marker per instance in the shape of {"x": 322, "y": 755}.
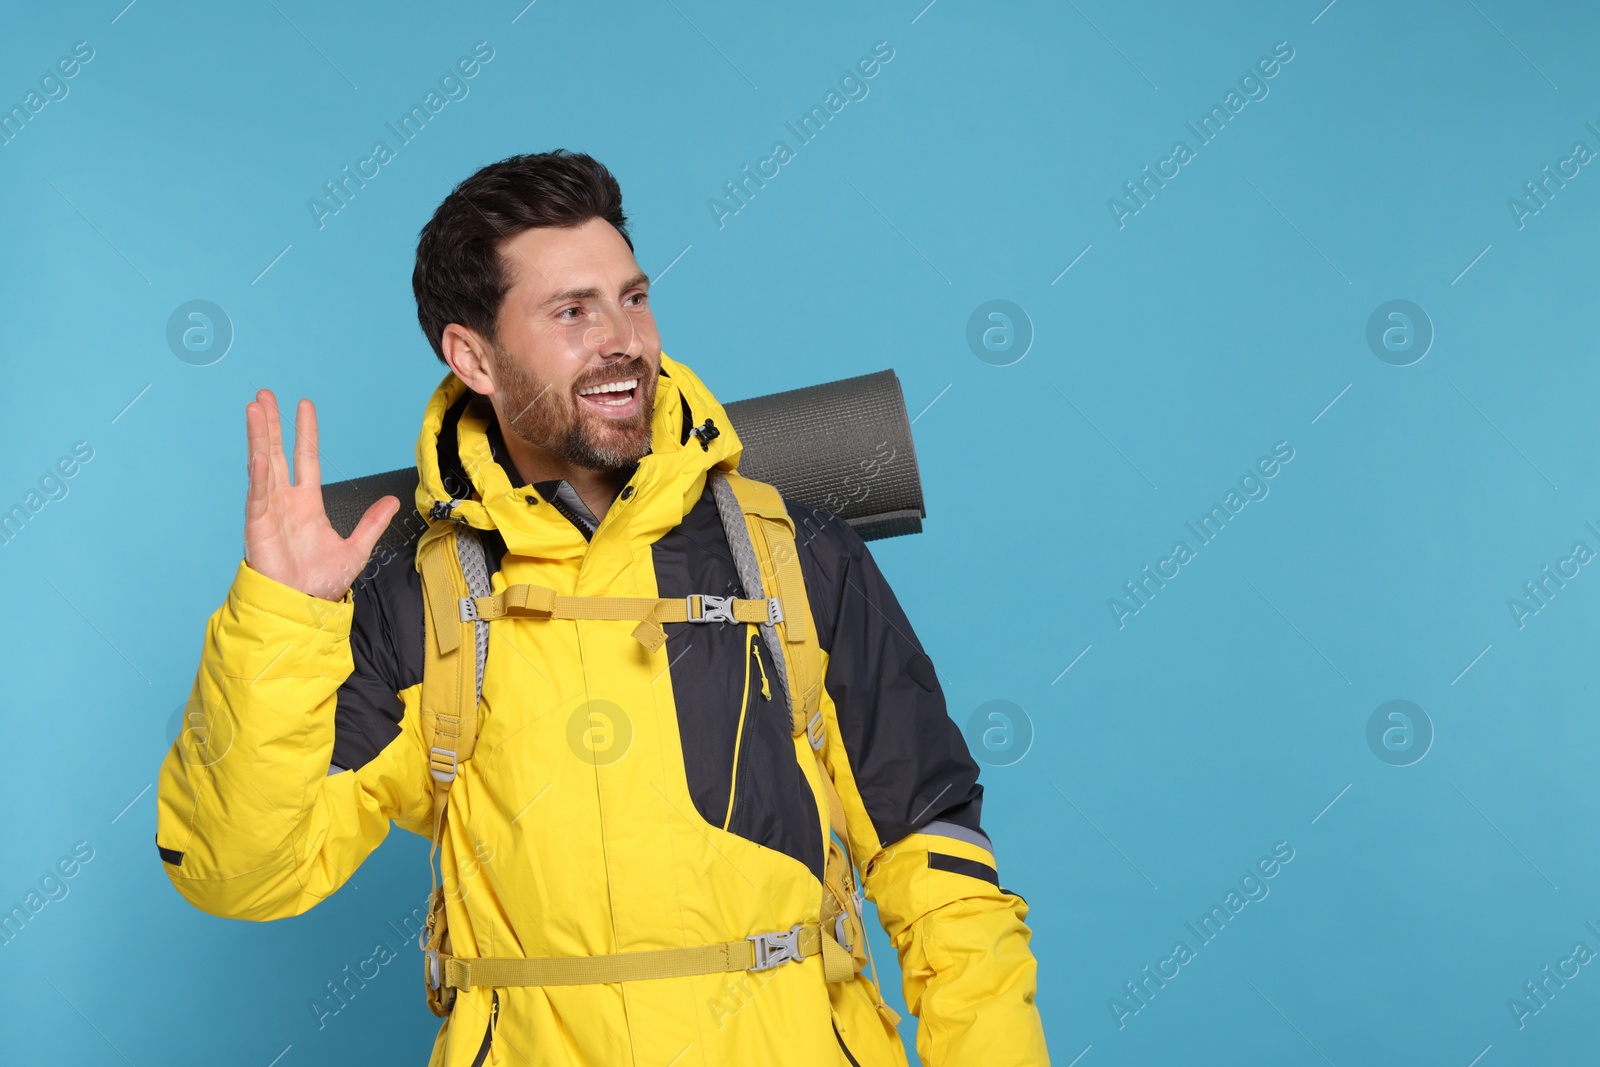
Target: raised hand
{"x": 287, "y": 535}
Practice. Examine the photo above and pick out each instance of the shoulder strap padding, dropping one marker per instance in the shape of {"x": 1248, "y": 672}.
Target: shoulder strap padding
{"x": 451, "y": 560}
{"x": 761, "y": 537}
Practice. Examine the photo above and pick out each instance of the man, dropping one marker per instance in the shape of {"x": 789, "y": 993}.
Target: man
{"x": 619, "y": 799}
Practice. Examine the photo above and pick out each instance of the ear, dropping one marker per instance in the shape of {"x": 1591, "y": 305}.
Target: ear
{"x": 467, "y": 354}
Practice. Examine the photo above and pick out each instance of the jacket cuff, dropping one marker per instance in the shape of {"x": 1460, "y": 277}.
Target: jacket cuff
{"x": 254, "y": 592}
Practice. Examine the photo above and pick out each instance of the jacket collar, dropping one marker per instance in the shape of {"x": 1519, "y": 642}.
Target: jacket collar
{"x": 462, "y": 478}
{"x": 558, "y": 491}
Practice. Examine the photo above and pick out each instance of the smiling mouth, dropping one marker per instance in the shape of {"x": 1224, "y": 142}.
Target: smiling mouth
{"x": 612, "y": 398}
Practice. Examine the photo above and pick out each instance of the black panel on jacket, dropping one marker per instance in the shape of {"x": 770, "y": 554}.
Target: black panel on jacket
{"x": 938, "y": 861}
{"x": 910, "y": 761}
{"x": 774, "y": 805}
{"x": 386, "y": 650}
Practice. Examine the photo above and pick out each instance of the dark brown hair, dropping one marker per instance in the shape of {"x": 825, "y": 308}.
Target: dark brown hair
{"x": 460, "y": 276}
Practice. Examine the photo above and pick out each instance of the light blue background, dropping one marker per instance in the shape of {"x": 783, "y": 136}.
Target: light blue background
{"x": 1222, "y": 318}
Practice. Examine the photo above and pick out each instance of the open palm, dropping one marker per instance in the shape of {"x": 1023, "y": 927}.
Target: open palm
{"x": 287, "y": 535}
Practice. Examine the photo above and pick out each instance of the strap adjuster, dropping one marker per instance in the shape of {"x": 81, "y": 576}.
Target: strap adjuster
{"x": 774, "y": 610}
{"x": 442, "y": 763}
{"x": 777, "y": 947}
{"x": 469, "y": 609}
{"x": 710, "y": 608}
{"x": 840, "y": 922}
{"x": 431, "y": 969}
{"x": 817, "y": 731}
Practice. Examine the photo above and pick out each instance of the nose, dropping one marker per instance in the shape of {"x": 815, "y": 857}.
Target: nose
{"x": 611, "y": 334}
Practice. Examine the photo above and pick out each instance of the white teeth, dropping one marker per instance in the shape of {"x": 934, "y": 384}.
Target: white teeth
{"x": 610, "y": 387}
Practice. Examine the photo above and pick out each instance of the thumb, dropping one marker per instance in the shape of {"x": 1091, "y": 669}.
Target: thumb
{"x": 372, "y": 525}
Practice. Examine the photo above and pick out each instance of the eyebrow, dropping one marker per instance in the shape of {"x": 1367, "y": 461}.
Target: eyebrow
{"x": 591, "y": 292}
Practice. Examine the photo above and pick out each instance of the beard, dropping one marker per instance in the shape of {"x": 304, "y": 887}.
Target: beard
{"x": 552, "y": 418}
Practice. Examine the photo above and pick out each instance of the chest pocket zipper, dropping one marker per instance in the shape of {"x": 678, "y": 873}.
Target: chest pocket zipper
{"x": 752, "y": 651}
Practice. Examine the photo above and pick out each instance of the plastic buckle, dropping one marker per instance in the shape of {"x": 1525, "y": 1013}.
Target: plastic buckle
{"x": 430, "y": 967}
{"x": 774, "y": 610}
{"x": 817, "y": 731}
{"x": 712, "y": 608}
{"x": 777, "y": 947}
{"x": 839, "y": 930}
{"x": 469, "y": 609}
{"x": 441, "y": 773}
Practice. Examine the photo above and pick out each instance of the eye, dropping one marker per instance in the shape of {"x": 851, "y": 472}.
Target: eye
{"x": 569, "y": 311}
{"x": 640, "y": 296}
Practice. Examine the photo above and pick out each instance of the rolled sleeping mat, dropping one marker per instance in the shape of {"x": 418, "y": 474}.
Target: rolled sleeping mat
{"x": 843, "y": 446}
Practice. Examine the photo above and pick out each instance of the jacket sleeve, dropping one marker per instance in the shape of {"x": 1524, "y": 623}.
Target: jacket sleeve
{"x": 912, "y": 804}
{"x": 255, "y": 820}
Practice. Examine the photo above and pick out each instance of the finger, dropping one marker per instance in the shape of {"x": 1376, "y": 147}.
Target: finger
{"x": 372, "y": 525}
{"x": 257, "y": 442}
{"x": 307, "y": 465}
{"x": 255, "y": 429}
{"x": 266, "y": 420}
{"x": 275, "y": 457}
{"x": 255, "y": 503}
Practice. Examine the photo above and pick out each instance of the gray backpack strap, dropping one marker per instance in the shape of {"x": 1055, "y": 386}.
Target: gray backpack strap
{"x": 737, "y": 531}
{"x": 475, "y": 569}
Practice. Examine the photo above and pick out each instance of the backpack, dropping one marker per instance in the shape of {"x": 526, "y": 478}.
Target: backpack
{"x": 458, "y": 609}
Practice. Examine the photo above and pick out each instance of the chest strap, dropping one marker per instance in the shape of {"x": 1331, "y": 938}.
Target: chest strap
{"x": 541, "y": 602}
{"x": 758, "y": 952}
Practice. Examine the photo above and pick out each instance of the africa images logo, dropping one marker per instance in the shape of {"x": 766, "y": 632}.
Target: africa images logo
{"x": 852, "y": 87}
{"x": 452, "y": 87}
{"x": 1252, "y": 887}
{"x": 1252, "y": 486}
{"x": 1207, "y": 128}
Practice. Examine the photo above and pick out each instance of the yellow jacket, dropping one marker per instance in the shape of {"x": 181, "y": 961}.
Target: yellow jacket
{"x": 618, "y": 800}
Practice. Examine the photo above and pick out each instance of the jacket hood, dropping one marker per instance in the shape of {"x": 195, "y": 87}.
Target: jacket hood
{"x": 460, "y": 478}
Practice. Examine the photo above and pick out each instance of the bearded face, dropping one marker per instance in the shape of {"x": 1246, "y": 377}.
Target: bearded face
{"x": 600, "y": 421}
{"x": 571, "y": 363}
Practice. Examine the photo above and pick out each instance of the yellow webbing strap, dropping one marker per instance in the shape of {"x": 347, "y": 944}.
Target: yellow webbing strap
{"x": 464, "y": 973}
{"x": 835, "y": 805}
{"x": 448, "y": 706}
{"x": 838, "y": 965}
{"x": 439, "y": 590}
{"x": 449, "y": 703}
{"x": 540, "y": 602}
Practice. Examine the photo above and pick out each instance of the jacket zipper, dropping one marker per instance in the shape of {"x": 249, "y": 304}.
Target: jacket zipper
{"x": 843, "y": 1047}
{"x": 488, "y": 1031}
{"x": 572, "y": 517}
{"x": 752, "y": 650}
